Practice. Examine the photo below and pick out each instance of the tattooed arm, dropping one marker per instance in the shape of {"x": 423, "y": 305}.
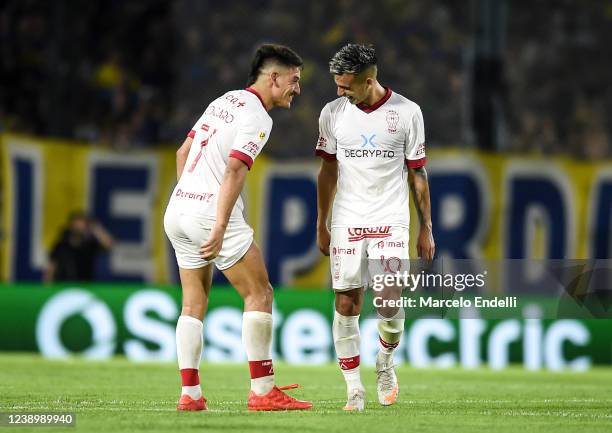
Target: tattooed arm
{"x": 417, "y": 179}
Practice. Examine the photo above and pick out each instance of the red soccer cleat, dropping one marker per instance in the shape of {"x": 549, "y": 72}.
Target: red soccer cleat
{"x": 188, "y": 403}
{"x": 276, "y": 399}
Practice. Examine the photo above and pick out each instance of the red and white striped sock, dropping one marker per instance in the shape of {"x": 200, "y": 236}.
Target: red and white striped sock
{"x": 345, "y": 330}
{"x": 189, "y": 351}
{"x": 390, "y": 333}
{"x": 257, "y": 342}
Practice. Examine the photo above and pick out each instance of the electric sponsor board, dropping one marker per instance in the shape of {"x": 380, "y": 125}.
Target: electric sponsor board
{"x": 101, "y": 321}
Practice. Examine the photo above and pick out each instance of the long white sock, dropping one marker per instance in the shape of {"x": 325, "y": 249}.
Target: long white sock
{"x": 257, "y": 342}
{"x": 390, "y": 332}
{"x": 189, "y": 352}
{"x": 345, "y": 330}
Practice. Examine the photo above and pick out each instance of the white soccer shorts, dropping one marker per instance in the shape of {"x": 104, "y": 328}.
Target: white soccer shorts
{"x": 353, "y": 249}
{"x": 188, "y": 232}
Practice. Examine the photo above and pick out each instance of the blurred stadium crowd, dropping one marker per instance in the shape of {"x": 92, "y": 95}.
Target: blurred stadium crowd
{"x": 134, "y": 74}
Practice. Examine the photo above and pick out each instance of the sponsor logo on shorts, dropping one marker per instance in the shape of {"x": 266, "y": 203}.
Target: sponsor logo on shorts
{"x": 391, "y": 244}
{"x": 360, "y": 233}
{"x": 203, "y": 196}
{"x": 337, "y": 251}
{"x": 337, "y": 265}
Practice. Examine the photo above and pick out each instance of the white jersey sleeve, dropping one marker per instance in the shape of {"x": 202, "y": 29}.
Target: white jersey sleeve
{"x": 326, "y": 144}
{"x": 415, "y": 140}
{"x": 250, "y": 139}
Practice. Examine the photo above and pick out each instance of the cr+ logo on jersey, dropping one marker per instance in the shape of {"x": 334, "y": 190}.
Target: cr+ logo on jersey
{"x": 234, "y": 100}
{"x": 360, "y": 233}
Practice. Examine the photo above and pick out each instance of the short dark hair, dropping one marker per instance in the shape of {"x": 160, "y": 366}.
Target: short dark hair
{"x": 272, "y": 53}
{"x": 352, "y": 59}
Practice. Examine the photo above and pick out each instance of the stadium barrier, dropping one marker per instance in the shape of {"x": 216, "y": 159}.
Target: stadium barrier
{"x": 485, "y": 206}
{"x": 101, "y": 321}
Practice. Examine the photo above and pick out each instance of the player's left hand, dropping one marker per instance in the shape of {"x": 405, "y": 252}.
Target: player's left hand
{"x": 426, "y": 247}
{"x": 212, "y": 246}
{"x": 323, "y": 239}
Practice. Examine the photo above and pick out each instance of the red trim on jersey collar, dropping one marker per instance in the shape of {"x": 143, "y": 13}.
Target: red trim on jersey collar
{"x": 369, "y": 108}
{"x": 256, "y": 93}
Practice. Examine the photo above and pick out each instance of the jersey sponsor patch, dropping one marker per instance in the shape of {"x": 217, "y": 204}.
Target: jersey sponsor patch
{"x": 368, "y": 153}
{"x": 252, "y": 148}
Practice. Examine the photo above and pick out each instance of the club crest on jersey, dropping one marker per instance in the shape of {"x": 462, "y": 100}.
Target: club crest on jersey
{"x": 262, "y": 135}
{"x": 360, "y": 233}
{"x": 392, "y": 121}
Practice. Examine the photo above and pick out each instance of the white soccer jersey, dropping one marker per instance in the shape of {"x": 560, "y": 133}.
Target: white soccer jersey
{"x": 374, "y": 145}
{"x": 234, "y": 125}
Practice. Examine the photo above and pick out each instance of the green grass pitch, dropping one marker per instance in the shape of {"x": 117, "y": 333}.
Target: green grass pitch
{"x": 120, "y": 396}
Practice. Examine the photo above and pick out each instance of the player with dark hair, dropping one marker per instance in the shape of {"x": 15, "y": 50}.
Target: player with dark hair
{"x": 205, "y": 223}
{"x": 267, "y": 53}
{"x": 372, "y": 142}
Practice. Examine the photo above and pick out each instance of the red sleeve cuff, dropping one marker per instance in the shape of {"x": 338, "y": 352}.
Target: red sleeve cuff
{"x": 248, "y": 161}
{"x": 191, "y": 134}
{"x": 326, "y": 156}
{"x": 416, "y": 163}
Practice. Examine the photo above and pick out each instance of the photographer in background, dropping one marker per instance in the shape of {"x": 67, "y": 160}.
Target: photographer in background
{"x": 73, "y": 256}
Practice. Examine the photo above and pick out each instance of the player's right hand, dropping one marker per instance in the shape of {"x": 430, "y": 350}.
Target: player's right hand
{"x": 212, "y": 246}
{"x": 323, "y": 240}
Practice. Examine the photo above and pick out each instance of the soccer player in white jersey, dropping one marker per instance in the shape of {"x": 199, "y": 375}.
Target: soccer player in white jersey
{"x": 372, "y": 145}
{"x": 205, "y": 223}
